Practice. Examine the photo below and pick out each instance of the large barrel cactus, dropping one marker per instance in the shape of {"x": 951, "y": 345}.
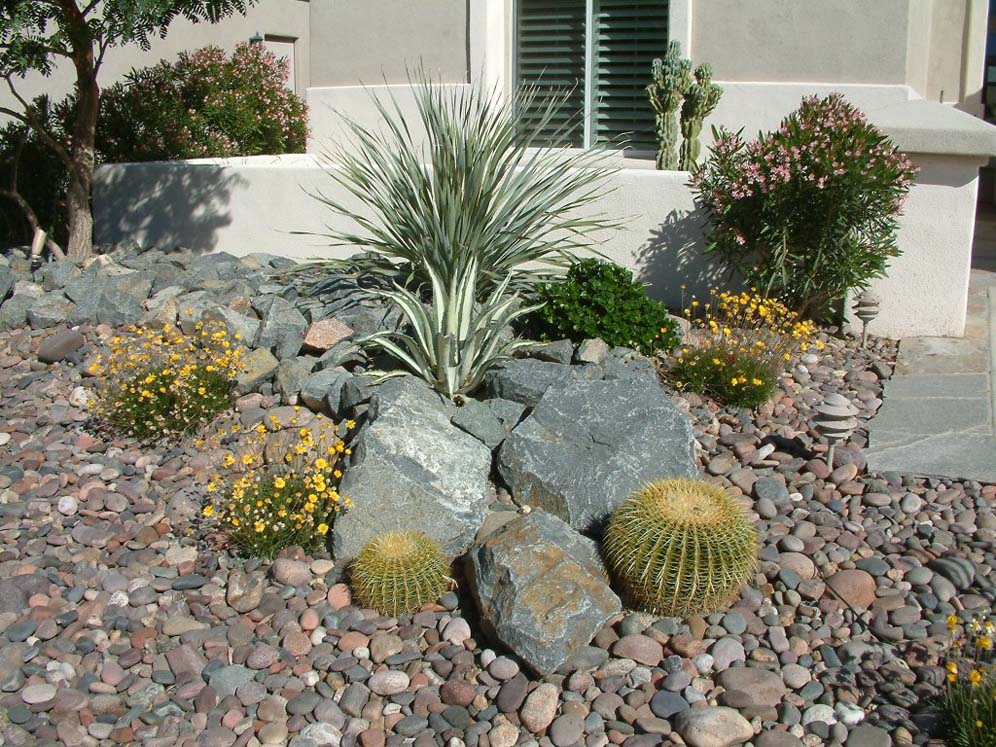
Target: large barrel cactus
{"x": 681, "y": 547}
{"x": 398, "y": 572}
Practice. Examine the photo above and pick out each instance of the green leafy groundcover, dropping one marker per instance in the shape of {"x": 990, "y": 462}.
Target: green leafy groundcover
{"x": 603, "y": 300}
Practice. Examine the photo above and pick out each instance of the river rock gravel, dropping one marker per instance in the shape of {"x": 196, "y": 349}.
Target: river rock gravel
{"x": 122, "y": 621}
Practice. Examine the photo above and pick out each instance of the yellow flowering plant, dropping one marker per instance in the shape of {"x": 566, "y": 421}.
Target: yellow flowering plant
{"x": 968, "y": 703}
{"x": 279, "y": 486}
{"x": 740, "y": 343}
{"x": 155, "y": 383}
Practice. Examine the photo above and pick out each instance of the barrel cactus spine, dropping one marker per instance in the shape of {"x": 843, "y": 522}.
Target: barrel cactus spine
{"x": 399, "y": 571}
{"x": 681, "y": 547}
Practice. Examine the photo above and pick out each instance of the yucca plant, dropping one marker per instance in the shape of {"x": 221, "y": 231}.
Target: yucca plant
{"x": 453, "y": 340}
{"x": 465, "y": 181}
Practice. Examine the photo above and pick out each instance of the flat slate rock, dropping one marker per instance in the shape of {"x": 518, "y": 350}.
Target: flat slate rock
{"x": 412, "y": 468}
{"x": 587, "y": 445}
{"x": 541, "y": 588}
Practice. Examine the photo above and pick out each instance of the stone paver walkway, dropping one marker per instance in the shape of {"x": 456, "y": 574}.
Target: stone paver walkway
{"x": 939, "y": 411}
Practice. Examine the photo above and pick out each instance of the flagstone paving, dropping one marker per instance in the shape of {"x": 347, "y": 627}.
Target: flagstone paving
{"x": 939, "y": 411}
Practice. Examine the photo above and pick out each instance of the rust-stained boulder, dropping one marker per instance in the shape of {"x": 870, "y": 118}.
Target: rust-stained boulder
{"x": 541, "y": 589}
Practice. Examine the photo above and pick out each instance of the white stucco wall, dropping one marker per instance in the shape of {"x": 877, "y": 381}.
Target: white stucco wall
{"x": 258, "y": 204}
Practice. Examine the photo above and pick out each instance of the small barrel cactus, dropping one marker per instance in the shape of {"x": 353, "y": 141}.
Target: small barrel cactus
{"x": 670, "y": 79}
{"x": 700, "y": 100}
{"x": 398, "y": 572}
{"x": 681, "y": 547}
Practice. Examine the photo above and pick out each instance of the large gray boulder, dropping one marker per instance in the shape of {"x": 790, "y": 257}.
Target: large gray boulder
{"x": 588, "y": 444}
{"x": 282, "y": 329}
{"x": 411, "y": 468}
{"x": 541, "y": 589}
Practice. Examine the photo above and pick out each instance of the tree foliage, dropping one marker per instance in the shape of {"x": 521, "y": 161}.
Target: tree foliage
{"x": 36, "y": 35}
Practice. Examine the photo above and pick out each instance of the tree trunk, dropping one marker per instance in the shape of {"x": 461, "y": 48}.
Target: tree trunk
{"x": 80, "y": 243}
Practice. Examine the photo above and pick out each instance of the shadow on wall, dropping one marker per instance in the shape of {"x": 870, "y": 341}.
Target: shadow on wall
{"x": 674, "y": 255}
{"x": 163, "y": 205}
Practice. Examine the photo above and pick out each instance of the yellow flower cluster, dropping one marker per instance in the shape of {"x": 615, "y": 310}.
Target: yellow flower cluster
{"x": 740, "y": 343}
{"x": 280, "y": 487}
{"x": 969, "y": 701}
{"x": 161, "y": 382}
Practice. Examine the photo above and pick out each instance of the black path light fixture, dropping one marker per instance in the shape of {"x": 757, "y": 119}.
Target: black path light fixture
{"x": 256, "y": 39}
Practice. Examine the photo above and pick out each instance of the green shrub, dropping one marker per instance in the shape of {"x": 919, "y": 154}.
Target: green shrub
{"x": 155, "y": 383}
{"x": 398, "y": 572}
{"x": 681, "y": 547}
{"x": 205, "y": 104}
{"x": 600, "y": 299}
{"x": 968, "y": 704}
{"x": 810, "y": 211}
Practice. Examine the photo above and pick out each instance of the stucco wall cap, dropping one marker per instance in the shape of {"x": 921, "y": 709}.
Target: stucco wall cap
{"x": 921, "y": 126}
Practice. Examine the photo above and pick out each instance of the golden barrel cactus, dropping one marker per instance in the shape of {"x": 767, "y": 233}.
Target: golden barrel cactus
{"x": 398, "y": 572}
{"x": 681, "y": 547}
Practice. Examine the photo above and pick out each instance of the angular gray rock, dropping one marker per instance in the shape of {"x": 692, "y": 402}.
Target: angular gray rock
{"x": 282, "y": 330}
{"x": 526, "y": 380}
{"x": 477, "y": 419}
{"x": 258, "y": 367}
{"x": 291, "y": 375}
{"x": 49, "y": 310}
{"x": 412, "y": 469}
{"x": 541, "y": 589}
{"x": 327, "y": 390}
{"x": 587, "y": 445}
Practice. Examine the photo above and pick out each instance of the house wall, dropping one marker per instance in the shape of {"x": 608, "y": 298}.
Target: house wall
{"x": 358, "y": 41}
{"x": 802, "y": 40}
{"x": 266, "y": 204}
{"x": 284, "y": 18}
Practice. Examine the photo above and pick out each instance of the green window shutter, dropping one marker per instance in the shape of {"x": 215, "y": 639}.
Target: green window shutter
{"x": 628, "y": 35}
{"x": 550, "y": 56}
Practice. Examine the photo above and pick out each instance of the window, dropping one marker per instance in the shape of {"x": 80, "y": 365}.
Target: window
{"x": 596, "y": 55}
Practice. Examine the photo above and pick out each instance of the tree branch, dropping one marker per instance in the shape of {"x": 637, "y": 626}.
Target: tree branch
{"x": 32, "y": 219}
{"x": 30, "y": 119}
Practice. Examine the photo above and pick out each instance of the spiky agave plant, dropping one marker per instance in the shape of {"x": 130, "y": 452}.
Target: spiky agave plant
{"x": 398, "y": 572}
{"x": 471, "y": 177}
{"x": 680, "y": 547}
{"x": 452, "y": 340}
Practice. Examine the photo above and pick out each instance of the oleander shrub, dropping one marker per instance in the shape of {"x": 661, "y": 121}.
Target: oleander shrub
{"x": 203, "y": 104}
{"x": 601, "y": 299}
{"x": 399, "y": 571}
{"x": 810, "y": 211}
{"x": 740, "y": 344}
{"x": 280, "y": 487}
{"x": 968, "y": 703}
{"x": 681, "y": 547}
{"x": 158, "y": 383}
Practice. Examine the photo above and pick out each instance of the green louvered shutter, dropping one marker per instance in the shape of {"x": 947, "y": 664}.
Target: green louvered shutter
{"x": 628, "y": 35}
{"x": 550, "y": 56}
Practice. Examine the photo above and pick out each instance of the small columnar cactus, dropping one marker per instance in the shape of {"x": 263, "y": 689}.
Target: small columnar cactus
{"x": 681, "y": 547}
{"x": 670, "y": 79}
{"x": 700, "y": 100}
{"x": 398, "y": 572}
